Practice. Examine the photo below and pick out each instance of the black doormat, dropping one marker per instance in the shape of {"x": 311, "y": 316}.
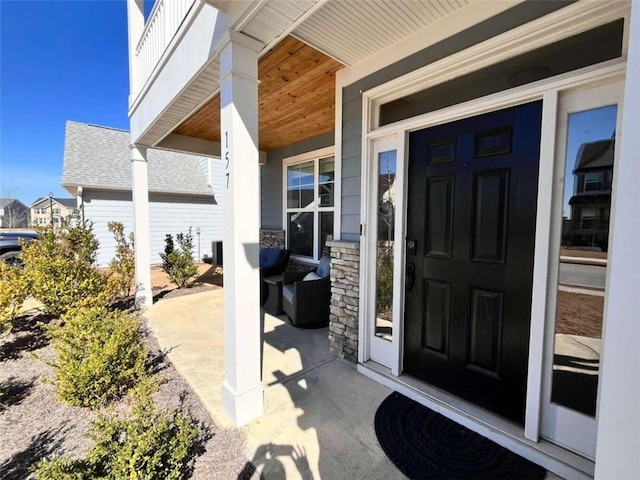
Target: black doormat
{"x": 426, "y": 445}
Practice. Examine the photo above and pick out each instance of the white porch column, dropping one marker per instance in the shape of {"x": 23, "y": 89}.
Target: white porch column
{"x": 242, "y": 388}
{"x": 140, "y": 190}
{"x": 618, "y": 451}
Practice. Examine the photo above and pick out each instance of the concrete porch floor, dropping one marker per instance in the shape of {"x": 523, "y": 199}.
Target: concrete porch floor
{"x": 319, "y": 412}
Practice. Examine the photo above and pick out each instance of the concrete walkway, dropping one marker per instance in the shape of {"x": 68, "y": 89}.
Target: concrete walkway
{"x": 319, "y": 411}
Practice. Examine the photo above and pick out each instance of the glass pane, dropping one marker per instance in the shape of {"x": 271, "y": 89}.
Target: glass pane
{"x": 326, "y": 170}
{"x": 583, "y": 258}
{"x": 326, "y": 181}
{"x": 385, "y": 242}
{"x": 293, "y": 198}
{"x": 325, "y": 192}
{"x": 326, "y": 232}
{"x": 587, "y": 48}
{"x": 300, "y": 231}
{"x": 300, "y": 185}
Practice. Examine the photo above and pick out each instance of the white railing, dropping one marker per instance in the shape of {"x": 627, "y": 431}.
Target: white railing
{"x": 163, "y": 23}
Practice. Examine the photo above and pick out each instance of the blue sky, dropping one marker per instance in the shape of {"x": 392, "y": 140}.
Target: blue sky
{"x": 59, "y": 61}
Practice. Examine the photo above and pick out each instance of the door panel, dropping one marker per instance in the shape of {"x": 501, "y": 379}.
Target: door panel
{"x": 440, "y": 216}
{"x": 437, "y": 299}
{"x": 471, "y": 211}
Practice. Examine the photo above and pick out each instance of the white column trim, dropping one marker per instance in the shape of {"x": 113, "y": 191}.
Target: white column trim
{"x": 238, "y": 39}
{"x": 337, "y": 142}
{"x": 140, "y": 196}
{"x": 619, "y": 422}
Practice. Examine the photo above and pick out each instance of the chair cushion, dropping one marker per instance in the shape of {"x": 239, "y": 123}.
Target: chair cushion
{"x": 311, "y": 276}
{"x": 287, "y": 292}
{"x": 324, "y": 267}
{"x": 270, "y": 257}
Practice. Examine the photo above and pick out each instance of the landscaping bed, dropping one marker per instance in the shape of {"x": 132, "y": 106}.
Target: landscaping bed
{"x": 208, "y": 277}
{"x": 35, "y": 425}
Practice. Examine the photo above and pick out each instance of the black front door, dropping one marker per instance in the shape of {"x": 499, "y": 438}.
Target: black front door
{"x": 470, "y": 244}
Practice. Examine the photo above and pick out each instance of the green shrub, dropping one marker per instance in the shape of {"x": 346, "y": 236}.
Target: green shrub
{"x": 123, "y": 265}
{"x": 169, "y": 248}
{"x": 178, "y": 263}
{"x": 99, "y": 355}
{"x": 14, "y": 289}
{"x": 61, "y": 267}
{"x": 63, "y": 468}
{"x": 384, "y": 282}
{"x": 144, "y": 445}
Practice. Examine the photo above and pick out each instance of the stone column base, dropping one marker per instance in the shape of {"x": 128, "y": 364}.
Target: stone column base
{"x": 345, "y": 299}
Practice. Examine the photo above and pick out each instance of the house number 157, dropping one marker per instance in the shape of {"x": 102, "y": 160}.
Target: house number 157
{"x": 226, "y": 156}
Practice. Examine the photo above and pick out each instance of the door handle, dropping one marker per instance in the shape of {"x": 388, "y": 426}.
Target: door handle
{"x": 409, "y": 277}
{"x": 411, "y": 247}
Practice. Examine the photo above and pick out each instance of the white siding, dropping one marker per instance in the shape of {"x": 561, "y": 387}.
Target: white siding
{"x": 102, "y": 208}
{"x": 205, "y": 166}
{"x": 167, "y": 214}
{"x": 218, "y": 184}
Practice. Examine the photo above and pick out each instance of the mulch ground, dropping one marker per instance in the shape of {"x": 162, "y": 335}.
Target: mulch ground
{"x": 34, "y": 425}
{"x": 580, "y": 314}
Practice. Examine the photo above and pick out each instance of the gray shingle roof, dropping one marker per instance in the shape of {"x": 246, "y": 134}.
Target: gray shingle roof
{"x": 6, "y": 201}
{"x": 67, "y": 202}
{"x": 99, "y": 157}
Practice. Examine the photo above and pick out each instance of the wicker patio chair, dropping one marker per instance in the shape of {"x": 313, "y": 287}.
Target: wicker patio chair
{"x": 306, "y": 296}
{"x": 273, "y": 261}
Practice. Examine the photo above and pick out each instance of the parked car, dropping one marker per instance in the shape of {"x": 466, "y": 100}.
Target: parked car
{"x": 10, "y": 245}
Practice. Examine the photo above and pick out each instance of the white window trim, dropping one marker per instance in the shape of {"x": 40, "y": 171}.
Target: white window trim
{"x": 314, "y": 155}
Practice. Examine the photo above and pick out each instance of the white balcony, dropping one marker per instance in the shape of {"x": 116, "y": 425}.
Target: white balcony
{"x": 162, "y": 25}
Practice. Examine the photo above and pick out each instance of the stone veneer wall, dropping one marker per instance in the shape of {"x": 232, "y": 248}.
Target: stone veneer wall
{"x": 272, "y": 238}
{"x": 345, "y": 298}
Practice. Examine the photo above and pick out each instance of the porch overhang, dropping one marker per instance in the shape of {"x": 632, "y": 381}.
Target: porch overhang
{"x": 304, "y": 44}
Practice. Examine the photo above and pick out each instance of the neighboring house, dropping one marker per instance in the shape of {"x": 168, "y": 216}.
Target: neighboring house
{"x": 97, "y": 171}
{"x": 46, "y": 210}
{"x": 591, "y": 201}
{"x": 470, "y": 106}
{"x": 13, "y": 213}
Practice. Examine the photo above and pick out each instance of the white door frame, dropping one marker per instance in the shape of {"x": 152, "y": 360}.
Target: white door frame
{"x": 546, "y": 90}
{"x": 578, "y": 17}
{"x": 568, "y": 428}
{"x": 385, "y": 352}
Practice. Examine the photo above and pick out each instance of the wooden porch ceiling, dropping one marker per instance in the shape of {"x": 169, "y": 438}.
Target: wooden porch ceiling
{"x": 296, "y": 98}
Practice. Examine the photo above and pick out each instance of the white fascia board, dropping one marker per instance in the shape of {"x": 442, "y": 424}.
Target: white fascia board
{"x": 461, "y": 20}
{"x": 72, "y": 189}
{"x": 236, "y": 9}
{"x": 187, "y": 56}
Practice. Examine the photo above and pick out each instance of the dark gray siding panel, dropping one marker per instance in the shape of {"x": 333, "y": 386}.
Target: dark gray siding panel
{"x": 352, "y": 96}
{"x": 271, "y": 178}
{"x": 351, "y": 163}
{"x": 351, "y": 184}
{"x": 352, "y": 147}
{"x": 271, "y": 195}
